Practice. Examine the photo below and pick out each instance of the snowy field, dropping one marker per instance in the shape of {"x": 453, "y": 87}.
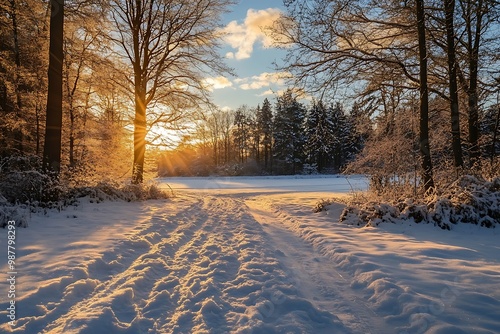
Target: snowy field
{"x": 245, "y": 184}
{"x": 247, "y": 255}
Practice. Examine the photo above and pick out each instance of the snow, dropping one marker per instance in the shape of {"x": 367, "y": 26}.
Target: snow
{"x": 248, "y": 255}
{"x": 241, "y": 184}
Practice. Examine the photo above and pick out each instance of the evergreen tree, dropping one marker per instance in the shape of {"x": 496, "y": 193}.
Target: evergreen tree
{"x": 332, "y": 140}
{"x": 490, "y": 128}
{"x": 265, "y": 126}
{"x": 255, "y": 133}
{"x": 346, "y": 141}
{"x": 339, "y": 135}
{"x": 289, "y": 138}
{"x": 353, "y": 141}
{"x": 241, "y": 133}
{"x": 320, "y": 136}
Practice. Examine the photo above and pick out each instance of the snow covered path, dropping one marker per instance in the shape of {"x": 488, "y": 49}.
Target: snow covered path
{"x": 206, "y": 267}
{"x": 315, "y": 276}
{"x": 218, "y": 259}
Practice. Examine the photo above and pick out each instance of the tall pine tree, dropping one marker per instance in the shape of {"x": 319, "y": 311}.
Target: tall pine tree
{"x": 265, "y": 125}
{"x": 241, "y": 133}
{"x": 345, "y": 143}
{"x": 320, "y": 136}
{"x": 288, "y": 133}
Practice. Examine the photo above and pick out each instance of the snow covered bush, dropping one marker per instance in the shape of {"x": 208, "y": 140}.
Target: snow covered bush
{"x": 23, "y": 180}
{"x": 145, "y": 191}
{"x": 369, "y": 214}
{"x": 469, "y": 200}
{"x": 17, "y": 213}
{"x": 109, "y": 191}
{"x": 25, "y": 187}
{"x": 322, "y": 205}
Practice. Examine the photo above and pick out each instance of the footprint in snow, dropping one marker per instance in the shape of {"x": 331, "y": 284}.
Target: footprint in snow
{"x": 279, "y": 253}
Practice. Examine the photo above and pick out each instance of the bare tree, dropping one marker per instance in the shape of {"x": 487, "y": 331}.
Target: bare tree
{"x": 81, "y": 45}
{"x": 424, "y": 100}
{"x": 477, "y": 31}
{"x": 23, "y": 71}
{"x": 449, "y": 9}
{"x": 170, "y": 46}
{"x": 341, "y": 42}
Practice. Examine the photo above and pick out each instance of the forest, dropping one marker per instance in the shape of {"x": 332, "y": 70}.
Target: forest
{"x": 115, "y": 91}
{"x": 286, "y": 139}
{"x": 355, "y": 188}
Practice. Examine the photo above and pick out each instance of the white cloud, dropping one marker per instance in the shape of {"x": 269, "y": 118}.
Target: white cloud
{"x": 243, "y": 37}
{"x": 217, "y": 83}
{"x": 262, "y": 80}
{"x": 266, "y": 93}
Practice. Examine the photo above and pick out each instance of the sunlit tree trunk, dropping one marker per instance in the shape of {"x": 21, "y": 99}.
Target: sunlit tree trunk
{"x": 168, "y": 43}
{"x": 139, "y": 136}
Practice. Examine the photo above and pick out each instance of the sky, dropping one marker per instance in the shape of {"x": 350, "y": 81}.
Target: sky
{"x": 249, "y": 52}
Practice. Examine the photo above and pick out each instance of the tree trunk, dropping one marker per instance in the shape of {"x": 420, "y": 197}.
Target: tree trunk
{"x": 425, "y": 151}
{"x": 453, "y": 85}
{"x": 72, "y": 161}
{"x": 495, "y": 136}
{"x": 52, "y": 145}
{"x": 257, "y": 151}
{"x": 139, "y": 99}
{"x": 139, "y": 134}
{"x": 37, "y": 120}
{"x": 473, "y": 50}
{"x": 473, "y": 117}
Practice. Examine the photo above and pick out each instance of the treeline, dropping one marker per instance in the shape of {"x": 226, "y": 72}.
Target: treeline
{"x": 287, "y": 138}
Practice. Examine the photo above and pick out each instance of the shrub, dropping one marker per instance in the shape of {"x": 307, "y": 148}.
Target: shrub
{"x": 469, "y": 200}
{"x": 113, "y": 191}
{"x": 25, "y": 187}
{"x": 322, "y": 205}
{"x": 23, "y": 180}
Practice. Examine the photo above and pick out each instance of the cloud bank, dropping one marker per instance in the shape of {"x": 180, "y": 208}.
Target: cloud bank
{"x": 217, "y": 83}
{"x": 243, "y": 37}
{"x": 262, "y": 80}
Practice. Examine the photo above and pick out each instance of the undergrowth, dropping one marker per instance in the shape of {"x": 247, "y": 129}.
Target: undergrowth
{"x": 26, "y": 188}
{"x": 470, "y": 200}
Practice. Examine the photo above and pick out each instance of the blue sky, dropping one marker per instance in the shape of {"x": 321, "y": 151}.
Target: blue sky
{"x": 249, "y": 52}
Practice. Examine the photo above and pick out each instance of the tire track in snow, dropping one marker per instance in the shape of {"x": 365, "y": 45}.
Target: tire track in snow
{"x": 195, "y": 287}
{"x": 112, "y": 286}
{"x": 232, "y": 279}
{"x": 315, "y": 274}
